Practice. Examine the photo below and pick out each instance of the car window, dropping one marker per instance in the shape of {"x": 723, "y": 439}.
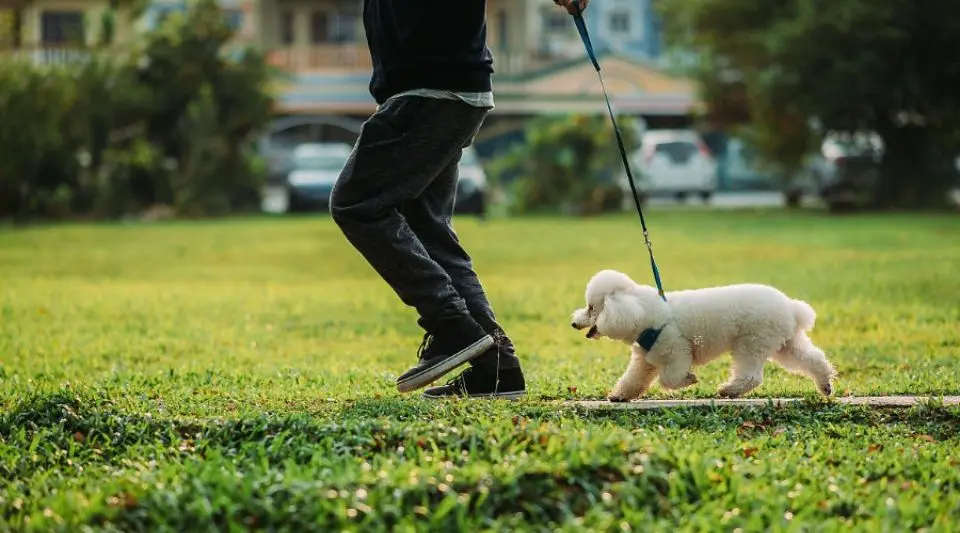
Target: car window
{"x": 320, "y": 162}
{"x": 850, "y": 145}
{"x": 676, "y": 151}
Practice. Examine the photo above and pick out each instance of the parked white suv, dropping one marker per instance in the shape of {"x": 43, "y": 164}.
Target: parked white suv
{"x": 673, "y": 162}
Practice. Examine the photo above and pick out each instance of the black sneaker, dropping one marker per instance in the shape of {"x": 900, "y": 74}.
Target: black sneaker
{"x": 482, "y": 382}
{"x": 446, "y": 346}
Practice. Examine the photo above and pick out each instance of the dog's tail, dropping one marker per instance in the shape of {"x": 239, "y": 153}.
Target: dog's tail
{"x": 805, "y": 315}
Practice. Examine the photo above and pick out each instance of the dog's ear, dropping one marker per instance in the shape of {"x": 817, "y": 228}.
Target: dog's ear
{"x": 620, "y": 315}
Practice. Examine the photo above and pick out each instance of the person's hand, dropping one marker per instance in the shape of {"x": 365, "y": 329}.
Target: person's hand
{"x": 570, "y": 7}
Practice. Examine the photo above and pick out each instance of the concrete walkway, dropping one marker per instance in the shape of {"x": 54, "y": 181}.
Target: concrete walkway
{"x": 726, "y": 200}
{"x": 873, "y": 401}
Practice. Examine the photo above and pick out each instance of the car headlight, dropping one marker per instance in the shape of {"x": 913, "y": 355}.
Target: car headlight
{"x": 467, "y": 186}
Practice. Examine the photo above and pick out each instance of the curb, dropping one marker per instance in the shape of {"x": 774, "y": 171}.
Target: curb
{"x": 871, "y": 401}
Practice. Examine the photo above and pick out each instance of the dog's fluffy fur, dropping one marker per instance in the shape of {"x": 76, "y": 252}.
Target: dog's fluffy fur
{"x": 753, "y": 322}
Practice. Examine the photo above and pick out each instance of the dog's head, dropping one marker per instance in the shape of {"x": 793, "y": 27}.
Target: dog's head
{"x": 614, "y": 307}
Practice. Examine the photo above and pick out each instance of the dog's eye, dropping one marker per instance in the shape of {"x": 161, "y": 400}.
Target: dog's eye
{"x": 590, "y": 308}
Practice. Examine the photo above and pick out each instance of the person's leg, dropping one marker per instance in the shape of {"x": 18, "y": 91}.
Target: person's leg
{"x": 401, "y": 150}
{"x": 430, "y": 217}
{"x": 497, "y": 372}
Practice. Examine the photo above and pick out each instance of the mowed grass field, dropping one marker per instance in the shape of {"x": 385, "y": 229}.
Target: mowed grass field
{"x": 239, "y": 375}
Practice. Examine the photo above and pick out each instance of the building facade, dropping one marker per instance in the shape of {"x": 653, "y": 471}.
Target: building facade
{"x": 50, "y": 31}
{"x": 629, "y": 28}
{"x": 539, "y": 61}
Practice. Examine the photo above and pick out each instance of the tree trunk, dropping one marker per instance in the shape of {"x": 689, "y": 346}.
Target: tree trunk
{"x": 915, "y": 171}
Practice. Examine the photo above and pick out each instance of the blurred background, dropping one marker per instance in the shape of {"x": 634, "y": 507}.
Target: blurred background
{"x": 160, "y": 108}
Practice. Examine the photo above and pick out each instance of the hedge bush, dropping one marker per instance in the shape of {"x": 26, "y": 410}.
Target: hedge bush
{"x": 566, "y": 163}
{"x": 171, "y": 121}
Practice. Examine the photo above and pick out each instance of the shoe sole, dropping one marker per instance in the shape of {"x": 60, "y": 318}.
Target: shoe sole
{"x": 429, "y": 375}
{"x": 487, "y": 396}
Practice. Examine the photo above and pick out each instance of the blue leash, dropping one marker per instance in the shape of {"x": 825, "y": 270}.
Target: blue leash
{"x": 585, "y": 37}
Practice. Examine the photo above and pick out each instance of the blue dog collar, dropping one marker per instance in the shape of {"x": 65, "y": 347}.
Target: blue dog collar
{"x": 648, "y": 337}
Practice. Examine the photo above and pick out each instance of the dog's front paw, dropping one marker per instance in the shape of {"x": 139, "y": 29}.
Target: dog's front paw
{"x": 826, "y": 389}
{"x": 689, "y": 380}
{"x": 619, "y": 395}
{"x": 624, "y": 391}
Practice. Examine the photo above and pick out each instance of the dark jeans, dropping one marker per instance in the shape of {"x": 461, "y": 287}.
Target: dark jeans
{"x": 394, "y": 201}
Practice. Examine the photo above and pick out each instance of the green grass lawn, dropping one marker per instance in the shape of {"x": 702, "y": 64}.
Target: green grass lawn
{"x": 240, "y": 374}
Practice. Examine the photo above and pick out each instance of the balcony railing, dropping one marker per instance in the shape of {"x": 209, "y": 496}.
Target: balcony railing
{"x": 320, "y": 57}
{"x": 52, "y": 55}
{"x": 356, "y": 57}
{"x": 324, "y": 57}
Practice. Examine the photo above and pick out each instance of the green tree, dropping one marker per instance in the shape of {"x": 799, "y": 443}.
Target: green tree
{"x": 39, "y": 139}
{"x": 172, "y": 120}
{"x": 208, "y": 100}
{"x": 567, "y": 163}
{"x": 890, "y": 66}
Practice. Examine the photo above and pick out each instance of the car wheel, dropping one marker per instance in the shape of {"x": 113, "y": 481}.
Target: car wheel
{"x": 792, "y": 197}
{"x": 681, "y": 196}
{"x": 481, "y": 205}
{"x": 706, "y": 195}
{"x": 296, "y": 204}
{"x": 474, "y": 204}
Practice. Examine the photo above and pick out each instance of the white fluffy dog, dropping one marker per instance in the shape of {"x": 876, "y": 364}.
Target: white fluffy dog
{"x": 692, "y": 327}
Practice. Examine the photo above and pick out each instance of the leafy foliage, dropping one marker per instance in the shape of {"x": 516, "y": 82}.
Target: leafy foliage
{"x": 170, "y": 121}
{"x": 209, "y": 381}
{"x": 890, "y": 67}
{"x": 39, "y": 138}
{"x": 567, "y": 163}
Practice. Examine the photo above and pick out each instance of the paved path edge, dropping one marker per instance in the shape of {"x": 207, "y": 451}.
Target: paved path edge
{"x": 872, "y": 401}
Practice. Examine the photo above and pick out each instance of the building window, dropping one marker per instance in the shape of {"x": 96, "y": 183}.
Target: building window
{"x": 503, "y": 29}
{"x": 61, "y": 27}
{"x": 555, "y": 21}
{"x": 620, "y": 22}
{"x": 286, "y": 28}
{"x": 343, "y": 27}
{"x": 333, "y": 27}
{"x": 319, "y": 27}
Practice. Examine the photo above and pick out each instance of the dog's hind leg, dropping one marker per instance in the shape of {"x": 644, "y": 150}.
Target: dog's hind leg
{"x": 635, "y": 381}
{"x": 749, "y": 357}
{"x": 800, "y": 356}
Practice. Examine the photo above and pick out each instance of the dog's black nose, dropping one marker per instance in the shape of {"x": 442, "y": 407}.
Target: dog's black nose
{"x": 573, "y": 325}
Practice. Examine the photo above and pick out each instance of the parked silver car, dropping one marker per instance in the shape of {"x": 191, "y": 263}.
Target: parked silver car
{"x": 847, "y": 167}
{"x": 303, "y": 178}
{"x": 472, "y": 185}
{"x": 672, "y": 162}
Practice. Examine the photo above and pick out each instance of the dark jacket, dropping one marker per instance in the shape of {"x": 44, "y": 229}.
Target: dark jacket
{"x": 427, "y": 44}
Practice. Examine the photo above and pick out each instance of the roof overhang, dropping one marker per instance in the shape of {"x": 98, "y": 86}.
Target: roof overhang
{"x": 568, "y": 87}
